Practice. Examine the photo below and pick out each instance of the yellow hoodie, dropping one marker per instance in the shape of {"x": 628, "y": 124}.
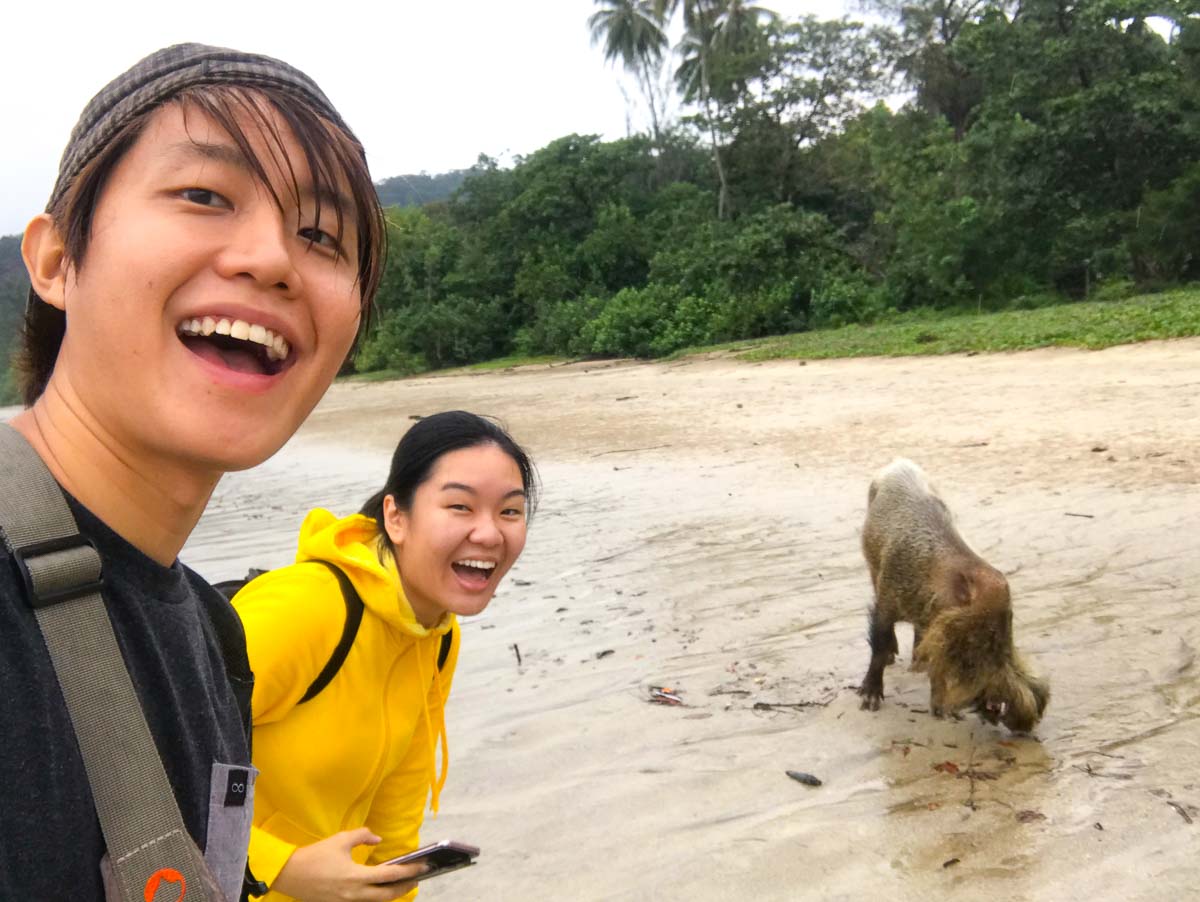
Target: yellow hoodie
{"x": 361, "y": 751}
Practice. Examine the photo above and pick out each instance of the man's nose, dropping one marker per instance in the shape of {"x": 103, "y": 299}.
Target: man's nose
{"x": 261, "y": 247}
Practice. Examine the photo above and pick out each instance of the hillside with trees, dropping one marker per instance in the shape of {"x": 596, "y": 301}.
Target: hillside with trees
{"x": 1048, "y": 152}
{"x": 14, "y": 289}
{"x": 415, "y": 190}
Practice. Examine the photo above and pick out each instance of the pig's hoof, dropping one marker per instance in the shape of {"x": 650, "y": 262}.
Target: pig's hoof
{"x": 871, "y": 698}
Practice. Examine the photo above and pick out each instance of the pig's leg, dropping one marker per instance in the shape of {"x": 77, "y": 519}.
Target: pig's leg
{"x": 881, "y": 633}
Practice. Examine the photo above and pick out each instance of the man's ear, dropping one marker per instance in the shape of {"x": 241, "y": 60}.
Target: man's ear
{"x": 45, "y": 257}
{"x": 395, "y": 521}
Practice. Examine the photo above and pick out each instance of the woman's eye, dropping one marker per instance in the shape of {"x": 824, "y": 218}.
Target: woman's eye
{"x": 459, "y": 507}
{"x": 204, "y": 197}
{"x": 513, "y": 512}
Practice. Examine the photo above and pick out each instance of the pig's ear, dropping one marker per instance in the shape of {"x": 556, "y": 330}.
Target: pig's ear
{"x": 963, "y": 590}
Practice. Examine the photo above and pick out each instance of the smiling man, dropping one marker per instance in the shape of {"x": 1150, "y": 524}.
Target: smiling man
{"x": 202, "y": 269}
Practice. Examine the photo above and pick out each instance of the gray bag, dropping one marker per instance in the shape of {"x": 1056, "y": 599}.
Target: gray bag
{"x": 151, "y": 855}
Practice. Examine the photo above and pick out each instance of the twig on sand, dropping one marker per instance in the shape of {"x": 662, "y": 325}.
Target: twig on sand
{"x": 971, "y": 774}
{"x": 1088, "y": 769}
{"x": 767, "y": 706}
{"x": 629, "y": 450}
{"x": 1182, "y": 811}
{"x": 1088, "y": 516}
{"x": 517, "y": 652}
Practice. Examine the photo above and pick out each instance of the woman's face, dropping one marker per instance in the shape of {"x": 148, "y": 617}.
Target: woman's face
{"x": 465, "y": 529}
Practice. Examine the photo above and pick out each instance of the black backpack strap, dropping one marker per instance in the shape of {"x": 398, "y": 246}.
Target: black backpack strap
{"x": 354, "y": 613}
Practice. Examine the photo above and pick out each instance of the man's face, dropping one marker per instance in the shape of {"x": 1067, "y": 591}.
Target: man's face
{"x": 204, "y": 323}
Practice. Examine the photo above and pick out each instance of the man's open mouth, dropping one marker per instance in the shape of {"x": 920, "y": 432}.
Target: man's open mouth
{"x": 236, "y": 344}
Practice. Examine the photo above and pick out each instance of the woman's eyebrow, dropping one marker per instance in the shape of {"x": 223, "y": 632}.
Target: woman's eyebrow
{"x": 463, "y": 487}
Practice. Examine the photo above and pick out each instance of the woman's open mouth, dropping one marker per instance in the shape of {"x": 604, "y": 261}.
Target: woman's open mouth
{"x": 473, "y": 573}
{"x": 236, "y": 344}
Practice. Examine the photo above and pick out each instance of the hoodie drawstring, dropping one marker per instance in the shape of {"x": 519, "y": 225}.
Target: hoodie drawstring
{"x": 436, "y": 780}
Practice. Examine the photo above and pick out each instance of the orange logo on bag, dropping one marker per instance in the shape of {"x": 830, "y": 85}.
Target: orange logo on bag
{"x": 168, "y": 875}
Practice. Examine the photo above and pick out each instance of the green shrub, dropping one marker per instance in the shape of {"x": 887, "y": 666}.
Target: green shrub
{"x": 769, "y": 310}
{"x": 448, "y": 333}
{"x": 847, "y": 299}
{"x": 558, "y": 328}
{"x": 632, "y": 320}
{"x": 691, "y": 324}
{"x": 1114, "y": 290}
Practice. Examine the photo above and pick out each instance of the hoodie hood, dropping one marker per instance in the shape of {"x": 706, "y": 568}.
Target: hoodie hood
{"x": 356, "y": 544}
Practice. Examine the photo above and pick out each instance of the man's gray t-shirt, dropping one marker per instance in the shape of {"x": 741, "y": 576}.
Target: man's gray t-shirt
{"x": 186, "y": 654}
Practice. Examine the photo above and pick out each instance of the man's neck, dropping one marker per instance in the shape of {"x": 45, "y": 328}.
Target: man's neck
{"x": 150, "y": 502}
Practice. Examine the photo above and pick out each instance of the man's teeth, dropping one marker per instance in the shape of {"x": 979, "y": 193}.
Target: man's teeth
{"x": 487, "y": 566}
{"x": 276, "y": 345}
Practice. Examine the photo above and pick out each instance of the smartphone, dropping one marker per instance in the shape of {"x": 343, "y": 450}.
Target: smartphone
{"x": 441, "y": 857}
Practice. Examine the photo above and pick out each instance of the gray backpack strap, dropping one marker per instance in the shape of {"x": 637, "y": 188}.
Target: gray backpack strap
{"x": 148, "y": 844}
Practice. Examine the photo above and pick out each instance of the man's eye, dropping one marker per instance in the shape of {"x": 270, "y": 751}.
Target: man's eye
{"x": 321, "y": 237}
{"x": 204, "y": 197}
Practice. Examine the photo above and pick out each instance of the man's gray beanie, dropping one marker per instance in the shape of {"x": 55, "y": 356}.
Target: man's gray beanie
{"x": 164, "y": 74}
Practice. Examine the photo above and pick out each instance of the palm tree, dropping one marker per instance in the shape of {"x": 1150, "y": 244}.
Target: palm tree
{"x": 632, "y": 33}
{"x": 693, "y": 77}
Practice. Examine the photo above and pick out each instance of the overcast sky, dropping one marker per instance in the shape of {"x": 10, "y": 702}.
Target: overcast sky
{"x": 427, "y": 86}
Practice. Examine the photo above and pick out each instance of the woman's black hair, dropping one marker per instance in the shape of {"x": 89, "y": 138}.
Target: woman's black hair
{"x": 424, "y": 444}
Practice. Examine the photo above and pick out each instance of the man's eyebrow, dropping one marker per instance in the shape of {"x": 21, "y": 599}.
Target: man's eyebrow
{"x": 335, "y": 199}
{"x": 232, "y": 156}
{"x": 217, "y": 153}
{"x": 462, "y": 487}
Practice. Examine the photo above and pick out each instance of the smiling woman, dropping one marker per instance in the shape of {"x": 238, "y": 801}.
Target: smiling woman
{"x": 360, "y": 747}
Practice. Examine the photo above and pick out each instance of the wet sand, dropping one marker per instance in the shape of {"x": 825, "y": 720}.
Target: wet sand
{"x": 699, "y": 530}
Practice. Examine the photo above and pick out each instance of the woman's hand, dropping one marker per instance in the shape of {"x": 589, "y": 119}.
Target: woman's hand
{"x": 325, "y": 872}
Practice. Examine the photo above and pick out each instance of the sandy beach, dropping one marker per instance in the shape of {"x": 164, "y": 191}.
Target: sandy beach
{"x": 699, "y": 530}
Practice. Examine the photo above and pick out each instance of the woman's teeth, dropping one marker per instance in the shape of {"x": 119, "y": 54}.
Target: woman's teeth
{"x": 485, "y": 566}
{"x": 276, "y": 345}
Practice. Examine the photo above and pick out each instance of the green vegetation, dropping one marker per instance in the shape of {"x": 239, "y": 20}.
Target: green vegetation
{"x": 1046, "y": 165}
{"x": 508, "y": 363}
{"x": 1050, "y": 154}
{"x": 1093, "y": 325}
{"x": 14, "y": 289}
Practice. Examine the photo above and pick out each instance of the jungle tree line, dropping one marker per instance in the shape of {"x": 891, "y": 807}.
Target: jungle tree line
{"x": 1049, "y": 150}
